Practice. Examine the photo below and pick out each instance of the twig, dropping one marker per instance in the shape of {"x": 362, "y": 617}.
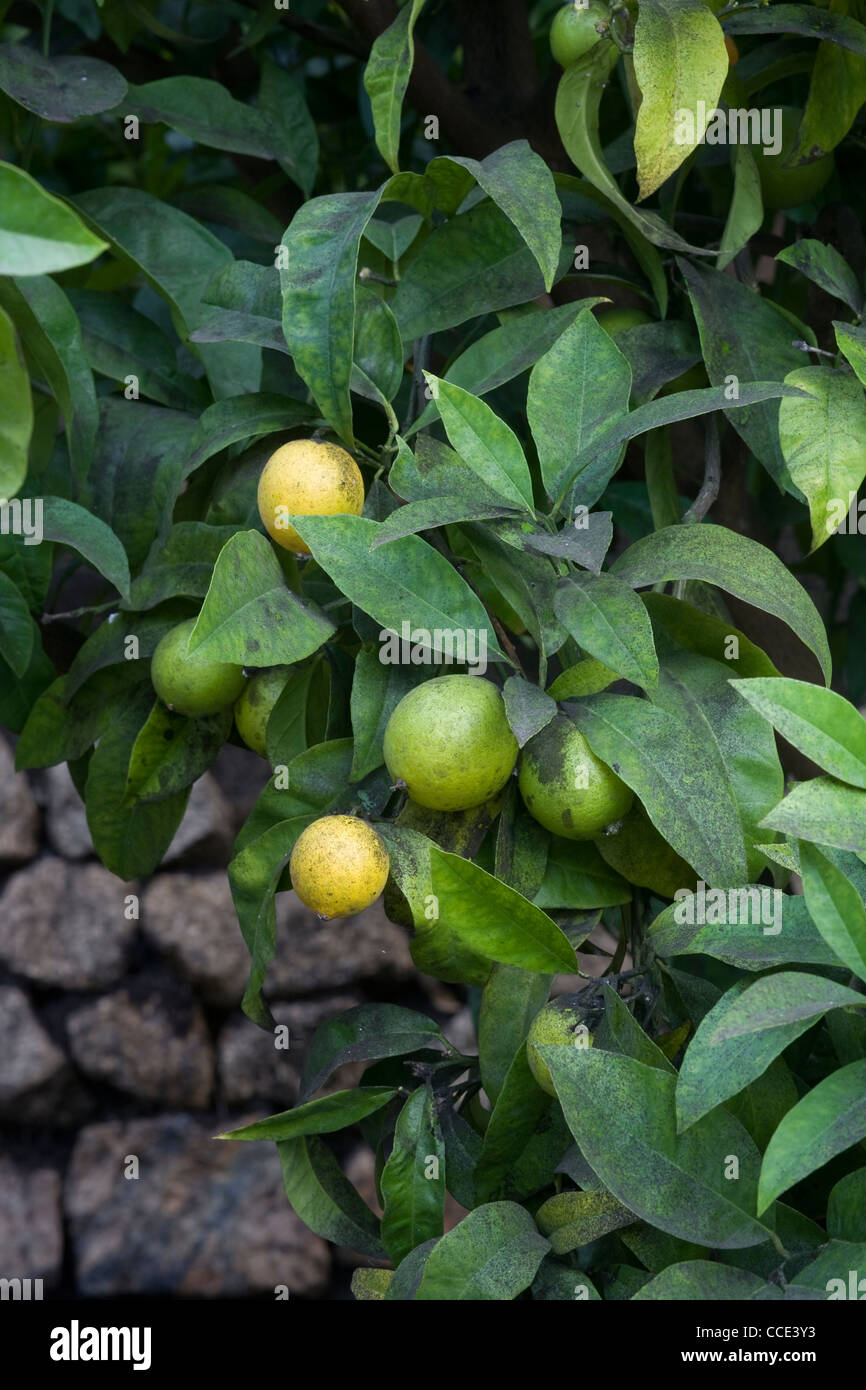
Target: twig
{"x": 420, "y": 362}
{"x": 712, "y": 476}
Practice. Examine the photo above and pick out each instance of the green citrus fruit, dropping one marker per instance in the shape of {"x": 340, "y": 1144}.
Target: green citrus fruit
{"x": 560, "y": 1024}
{"x": 307, "y": 478}
{"x": 566, "y": 788}
{"x": 449, "y": 741}
{"x": 614, "y": 321}
{"x": 787, "y": 188}
{"x": 573, "y": 31}
{"x": 690, "y": 380}
{"x": 339, "y": 866}
{"x": 193, "y": 688}
{"x": 253, "y": 709}
{"x": 643, "y": 856}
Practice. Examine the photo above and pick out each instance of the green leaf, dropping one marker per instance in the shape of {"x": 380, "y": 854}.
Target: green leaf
{"x": 527, "y": 708}
{"x": 832, "y": 1269}
{"x": 827, "y": 1121}
{"x": 206, "y": 112}
{"x": 735, "y": 563}
{"x": 521, "y": 185}
{"x": 679, "y": 405}
{"x": 179, "y": 257}
{"x": 505, "y": 352}
{"x": 324, "y": 1199}
{"x": 367, "y": 1033}
{"x": 801, "y": 19}
{"x": 608, "y": 621}
{"x": 837, "y": 91}
{"x": 130, "y": 838}
{"x": 743, "y": 930}
{"x": 473, "y": 264}
{"x": 117, "y": 341}
{"x": 75, "y": 526}
{"x": 746, "y": 212}
{"x": 699, "y": 1280}
{"x": 59, "y": 89}
{"x": 517, "y": 1114}
{"x": 249, "y": 615}
{"x": 430, "y": 513}
{"x": 790, "y": 996}
{"x": 578, "y": 98}
{"x": 577, "y": 388}
{"x": 282, "y": 102}
{"x": 484, "y": 442}
{"x": 182, "y": 564}
{"x": 241, "y": 418}
{"x": 50, "y": 330}
{"x": 559, "y": 1282}
{"x": 16, "y": 412}
{"x": 576, "y": 876}
{"x": 665, "y": 762}
{"x": 623, "y": 1115}
{"x": 413, "y": 1179}
{"x": 825, "y": 267}
{"x": 318, "y": 284}
{"x": 493, "y": 1254}
{"x": 823, "y": 811}
{"x": 835, "y": 907}
{"x": 16, "y": 626}
{"x": 323, "y": 1116}
{"x": 171, "y": 752}
{"x": 572, "y": 1219}
{"x": 822, "y": 441}
{"x": 680, "y": 59}
{"x": 386, "y": 79}
{"x": 38, "y": 233}
{"x": 744, "y": 336}
{"x": 706, "y": 635}
{"x": 823, "y": 725}
{"x": 496, "y": 920}
{"x": 851, "y": 341}
{"x": 406, "y": 581}
{"x": 377, "y": 689}
{"x": 846, "y": 1207}
{"x": 698, "y": 691}
{"x": 510, "y": 1001}
{"x": 719, "y": 1065}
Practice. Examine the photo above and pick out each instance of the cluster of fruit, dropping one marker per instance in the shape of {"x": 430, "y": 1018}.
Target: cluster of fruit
{"x": 447, "y": 743}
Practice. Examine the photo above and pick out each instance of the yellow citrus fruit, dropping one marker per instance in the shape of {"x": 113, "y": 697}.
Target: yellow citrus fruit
{"x": 253, "y": 709}
{"x": 450, "y": 742}
{"x": 560, "y": 1024}
{"x": 339, "y": 866}
{"x": 307, "y": 478}
{"x": 193, "y": 688}
{"x": 643, "y": 856}
{"x": 573, "y": 31}
{"x": 565, "y": 787}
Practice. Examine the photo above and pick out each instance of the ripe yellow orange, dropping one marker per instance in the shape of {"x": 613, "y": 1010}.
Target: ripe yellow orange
{"x": 307, "y": 478}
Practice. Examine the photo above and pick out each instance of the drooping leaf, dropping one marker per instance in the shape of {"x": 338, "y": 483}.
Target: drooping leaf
{"x": 386, "y": 79}
{"x": 821, "y": 437}
{"x": 735, "y": 563}
{"x": 680, "y": 60}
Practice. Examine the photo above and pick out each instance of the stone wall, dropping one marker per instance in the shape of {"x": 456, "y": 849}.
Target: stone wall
{"x": 123, "y": 1051}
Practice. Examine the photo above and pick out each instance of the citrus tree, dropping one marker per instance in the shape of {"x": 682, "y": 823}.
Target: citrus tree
{"x": 475, "y": 432}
